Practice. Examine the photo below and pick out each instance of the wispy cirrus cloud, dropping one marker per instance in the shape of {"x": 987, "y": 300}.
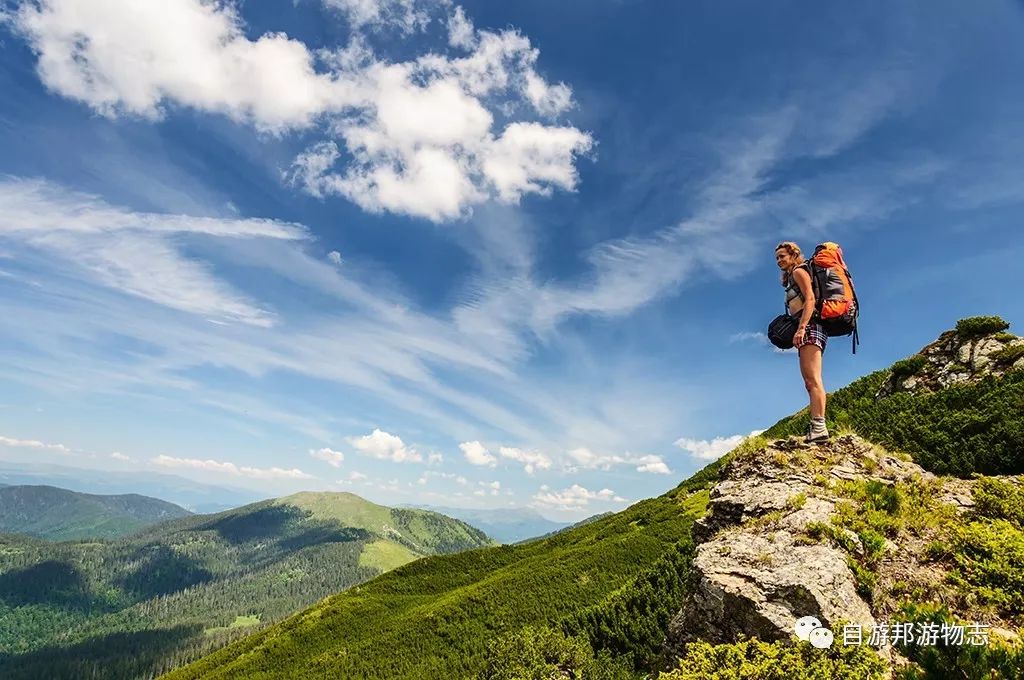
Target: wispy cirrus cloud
{"x": 228, "y": 468}
{"x": 132, "y": 252}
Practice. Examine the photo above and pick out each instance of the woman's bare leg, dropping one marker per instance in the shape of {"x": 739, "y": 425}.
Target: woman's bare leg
{"x": 810, "y": 369}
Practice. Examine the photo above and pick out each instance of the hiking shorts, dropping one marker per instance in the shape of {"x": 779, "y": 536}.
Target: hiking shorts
{"x": 814, "y": 334}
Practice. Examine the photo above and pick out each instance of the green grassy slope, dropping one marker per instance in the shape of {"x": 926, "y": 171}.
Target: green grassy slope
{"x": 61, "y": 515}
{"x": 421, "y": 531}
{"x": 180, "y": 588}
{"x": 433, "y": 618}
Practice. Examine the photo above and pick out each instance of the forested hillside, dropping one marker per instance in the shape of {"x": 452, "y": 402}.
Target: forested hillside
{"x": 61, "y": 515}
{"x": 144, "y": 604}
{"x": 434, "y": 618}
{"x": 595, "y": 601}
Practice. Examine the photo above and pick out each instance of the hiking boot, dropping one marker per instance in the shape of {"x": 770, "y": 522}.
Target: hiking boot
{"x": 816, "y": 432}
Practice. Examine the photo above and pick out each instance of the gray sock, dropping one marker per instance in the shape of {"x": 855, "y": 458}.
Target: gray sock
{"x": 818, "y": 425}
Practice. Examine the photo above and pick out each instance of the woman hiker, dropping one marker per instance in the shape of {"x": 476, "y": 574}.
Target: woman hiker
{"x": 810, "y": 338}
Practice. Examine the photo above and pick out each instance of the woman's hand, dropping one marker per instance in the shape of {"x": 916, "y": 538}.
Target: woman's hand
{"x": 798, "y": 337}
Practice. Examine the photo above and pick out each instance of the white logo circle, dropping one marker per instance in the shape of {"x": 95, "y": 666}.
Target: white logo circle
{"x": 821, "y": 638}
{"x": 804, "y": 626}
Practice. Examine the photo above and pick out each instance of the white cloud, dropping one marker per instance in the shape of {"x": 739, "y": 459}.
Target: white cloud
{"x": 477, "y": 454}
{"x": 141, "y": 57}
{"x": 385, "y": 446}
{"x": 32, "y": 444}
{"x": 117, "y": 455}
{"x": 750, "y": 336}
{"x": 548, "y": 99}
{"x": 330, "y": 456}
{"x": 532, "y": 460}
{"x": 334, "y": 256}
{"x": 533, "y": 158}
{"x": 575, "y": 497}
{"x": 356, "y": 476}
{"x": 230, "y": 468}
{"x": 494, "y": 488}
{"x": 652, "y": 464}
{"x": 434, "y": 458}
{"x": 703, "y": 449}
{"x": 138, "y": 56}
{"x": 585, "y": 458}
{"x": 460, "y": 30}
{"x": 447, "y": 158}
{"x": 408, "y": 16}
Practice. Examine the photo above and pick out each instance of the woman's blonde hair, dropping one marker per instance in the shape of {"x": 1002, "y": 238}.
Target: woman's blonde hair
{"x": 794, "y": 250}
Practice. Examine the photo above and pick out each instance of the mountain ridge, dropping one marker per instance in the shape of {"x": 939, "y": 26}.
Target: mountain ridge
{"x": 176, "y": 589}
{"x": 60, "y": 514}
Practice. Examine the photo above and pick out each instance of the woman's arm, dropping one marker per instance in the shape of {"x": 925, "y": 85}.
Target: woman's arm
{"x": 803, "y": 280}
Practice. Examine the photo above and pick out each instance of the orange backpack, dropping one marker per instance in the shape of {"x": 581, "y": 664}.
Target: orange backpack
{"x": 836, "y": 306}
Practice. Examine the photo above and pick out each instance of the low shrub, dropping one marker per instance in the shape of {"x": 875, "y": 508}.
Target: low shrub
{"x": 994, "y": 661}
{"x": 976, "y": 326}
{"x": 756, "y": 660}
{"x": 1008, "y": 354}
{"x": 908, "y": 367}
{"x": 543, "y": 653}
{"x": 989, "y": 559}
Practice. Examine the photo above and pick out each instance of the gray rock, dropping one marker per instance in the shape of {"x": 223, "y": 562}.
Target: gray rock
{"x": 952, "y": 360}
{"x": 755, "y": 570}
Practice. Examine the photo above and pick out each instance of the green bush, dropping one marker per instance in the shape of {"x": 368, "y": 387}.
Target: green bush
{"x": 909, "y": 366}
{"x": 966, "y": 428}
{"x": 994, "y": 661}
{"x": 1009, "y": 354}
{"x": 976, "y": 326}
{"x": 989, "y": 558}
{"x": 1005, "y": 337}
{"x": 543, "y": 653}
{"x": 756, "y": 660}
{"x": 998, "y": 499}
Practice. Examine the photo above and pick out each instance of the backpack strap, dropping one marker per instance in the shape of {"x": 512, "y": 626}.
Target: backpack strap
{"x": 856, "y": 313}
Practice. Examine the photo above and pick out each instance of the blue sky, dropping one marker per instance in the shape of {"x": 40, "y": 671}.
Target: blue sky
{"x": 479, "y": 254}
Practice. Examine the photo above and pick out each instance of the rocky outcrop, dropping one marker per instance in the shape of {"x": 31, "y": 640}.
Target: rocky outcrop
{"x": 755, "y": 571}
{"x": 953, "y": 359}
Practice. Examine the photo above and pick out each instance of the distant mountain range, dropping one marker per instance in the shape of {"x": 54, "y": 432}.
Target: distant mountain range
{"x": 60, "y": 515}
{"x": 143, "y": 604}
{"x": 193, "y": 496}
{"x": 506, "y": 525}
